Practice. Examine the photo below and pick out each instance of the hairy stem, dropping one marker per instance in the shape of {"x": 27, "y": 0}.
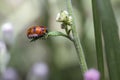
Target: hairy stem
{"x": 76, "y": 41}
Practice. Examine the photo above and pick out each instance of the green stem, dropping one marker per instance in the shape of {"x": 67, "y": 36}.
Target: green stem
{"x": 66, "y": 30}
{"x": 57, "y": 33}
{"x": 76, "y": 41}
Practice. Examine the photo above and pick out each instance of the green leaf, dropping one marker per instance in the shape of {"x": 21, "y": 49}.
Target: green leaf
{"x": 98, "y": 38}
{"x": 110, "y": 37}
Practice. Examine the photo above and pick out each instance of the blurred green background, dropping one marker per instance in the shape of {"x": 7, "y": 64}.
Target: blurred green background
{"x": 57, "y": 52}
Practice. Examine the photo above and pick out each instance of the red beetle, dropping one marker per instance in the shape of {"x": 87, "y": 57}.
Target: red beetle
{"x": 36, "y": 32}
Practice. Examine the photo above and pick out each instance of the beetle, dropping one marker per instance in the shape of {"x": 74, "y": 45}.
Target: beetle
{"x": 36, "y": 32}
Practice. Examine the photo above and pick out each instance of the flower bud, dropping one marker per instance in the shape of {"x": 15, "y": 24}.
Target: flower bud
{"x": 92, "y": 74}
{"x": 69, "y": 20}
{"x": 62, "y": 16}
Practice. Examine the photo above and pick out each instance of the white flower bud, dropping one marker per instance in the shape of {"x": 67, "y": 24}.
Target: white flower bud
{"x": 62, "y": 16}
{"x": 69, "y": 20}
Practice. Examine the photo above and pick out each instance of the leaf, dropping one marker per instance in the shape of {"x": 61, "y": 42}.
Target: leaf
{"x": 98, "y": 39}
{"x": 110, "y": 37}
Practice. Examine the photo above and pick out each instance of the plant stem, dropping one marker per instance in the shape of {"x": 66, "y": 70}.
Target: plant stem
{"x": 76, "y": 41}
{"x": 57, "y": 33}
